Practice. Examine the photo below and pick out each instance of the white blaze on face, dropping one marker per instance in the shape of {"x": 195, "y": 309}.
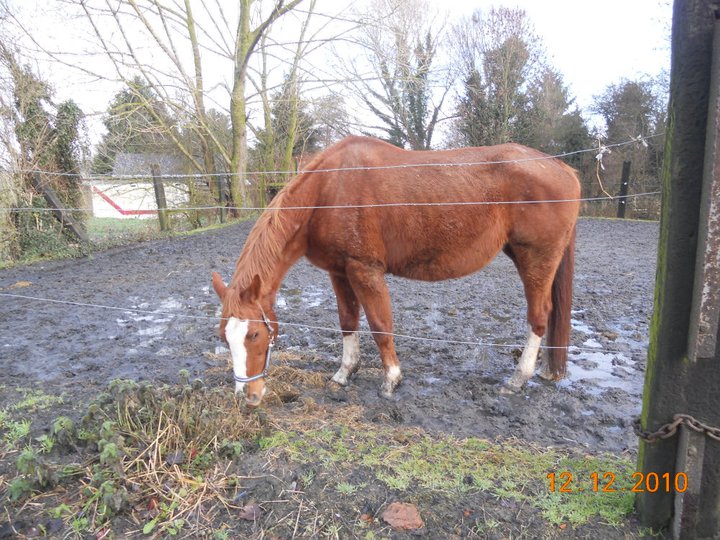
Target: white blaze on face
{"x": 235, "y": 332}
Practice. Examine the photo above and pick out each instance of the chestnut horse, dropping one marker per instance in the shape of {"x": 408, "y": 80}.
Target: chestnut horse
{"x": 364, "y": 208}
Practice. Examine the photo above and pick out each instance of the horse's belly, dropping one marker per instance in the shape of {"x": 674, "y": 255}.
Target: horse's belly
{"x": 441, "y": 265}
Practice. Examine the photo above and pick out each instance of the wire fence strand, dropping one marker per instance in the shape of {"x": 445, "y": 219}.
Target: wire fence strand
{"x": 425, "y": 339}
{"x": 200, "y": 175}
{"x": 175, "y": 177}
{"x": 373, "y": 205}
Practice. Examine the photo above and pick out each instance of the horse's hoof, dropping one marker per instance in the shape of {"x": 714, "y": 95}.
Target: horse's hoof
{"x": 387, "y": 391}
{"x": 340, "y": 380}
{"x": 551, "y": 377}
{"x": 335, "y": 386}
{"x": 337, "y": 392}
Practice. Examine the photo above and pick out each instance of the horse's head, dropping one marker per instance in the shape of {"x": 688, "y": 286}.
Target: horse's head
{"x": 249, "y": 327}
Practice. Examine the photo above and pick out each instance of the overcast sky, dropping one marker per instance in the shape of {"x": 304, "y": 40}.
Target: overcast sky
{"x": 594, "y": 44}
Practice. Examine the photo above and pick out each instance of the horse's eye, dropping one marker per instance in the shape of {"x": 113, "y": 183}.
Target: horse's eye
{"x": 254, "y": 336}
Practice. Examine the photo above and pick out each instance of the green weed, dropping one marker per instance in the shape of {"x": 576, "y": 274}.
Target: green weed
{"x": 36, "y": 400}
{"x": 15, "y": 432}
{"x": 345, "y": 488}
{"x": 509, "y": 471}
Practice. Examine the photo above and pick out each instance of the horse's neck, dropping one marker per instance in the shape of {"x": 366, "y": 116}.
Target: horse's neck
{"x": 274, "y": 244}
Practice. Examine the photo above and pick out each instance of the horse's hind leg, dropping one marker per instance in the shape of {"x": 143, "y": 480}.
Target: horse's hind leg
{"x": 537, "y": 274}
{"x": 526, "y": 364}
{"x": 369, "y": 285}
{"x": 349, "y": 314}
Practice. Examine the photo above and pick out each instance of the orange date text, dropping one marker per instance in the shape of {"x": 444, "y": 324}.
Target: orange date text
{"x": 605, "y": 482}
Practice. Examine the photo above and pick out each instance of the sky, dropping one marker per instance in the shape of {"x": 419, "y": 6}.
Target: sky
{"x": 591, "y": 44}
{"x": 594, "y": 44}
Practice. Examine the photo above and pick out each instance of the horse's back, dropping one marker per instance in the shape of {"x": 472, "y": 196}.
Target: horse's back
{"x": 357, "y": 165}
{"x": 434, "y": 214}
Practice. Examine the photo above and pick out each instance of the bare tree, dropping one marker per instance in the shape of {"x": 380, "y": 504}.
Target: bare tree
{"x": 170, "y": 45}
{"x": 396, "y": 75}
{"x": 278, "y": 148}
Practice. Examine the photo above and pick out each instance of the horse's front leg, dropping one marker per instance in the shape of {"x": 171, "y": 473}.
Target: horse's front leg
{"x": 349, "y": 314}
{"x": 369, "y": 285}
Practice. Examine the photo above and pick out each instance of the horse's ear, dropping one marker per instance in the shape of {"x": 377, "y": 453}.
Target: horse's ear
{"x": 219, "y": 285}
{"x": 252, "y": 293}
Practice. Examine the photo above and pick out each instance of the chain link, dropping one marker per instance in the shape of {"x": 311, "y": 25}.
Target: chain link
{"x": 668, "y": 430}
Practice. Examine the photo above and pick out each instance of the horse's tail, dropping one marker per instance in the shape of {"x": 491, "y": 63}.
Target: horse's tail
{"x": 558, "y": 332}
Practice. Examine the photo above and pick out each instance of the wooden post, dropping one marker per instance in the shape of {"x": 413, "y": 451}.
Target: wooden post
{"x": 683, "y": 376}
{"x": 160, "y": 197}
{"x": 691, "y": 454}
{"x": 222, "y": 198}
{"x": 624, "y": 186}
{"x": 262, "y": 192}
{"x": 58, "y": 209}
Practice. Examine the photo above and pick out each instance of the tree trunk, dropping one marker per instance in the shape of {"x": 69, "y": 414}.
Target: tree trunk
{"x": 245, "y": 42}
{"x": 9, "y": 248}
{"x": 199, "y": 99}
{"x": 238, "y": 113}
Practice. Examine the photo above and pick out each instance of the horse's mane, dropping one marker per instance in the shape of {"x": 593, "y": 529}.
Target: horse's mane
{"x": 273, "y": 230}
{"x": 264, "y": 244}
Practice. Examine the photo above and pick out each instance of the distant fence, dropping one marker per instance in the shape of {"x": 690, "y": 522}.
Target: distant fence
{"x": 202, "y": 198}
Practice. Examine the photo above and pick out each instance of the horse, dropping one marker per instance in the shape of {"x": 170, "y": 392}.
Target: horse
{"x": 364, "y": 208}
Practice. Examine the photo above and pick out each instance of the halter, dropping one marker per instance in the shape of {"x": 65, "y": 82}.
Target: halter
{"x": 264, "y": 372}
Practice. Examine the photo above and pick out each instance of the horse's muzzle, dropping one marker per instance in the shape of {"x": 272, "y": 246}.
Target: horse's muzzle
{"x": 254, "y": 392}
{"x": 253, "y": 400}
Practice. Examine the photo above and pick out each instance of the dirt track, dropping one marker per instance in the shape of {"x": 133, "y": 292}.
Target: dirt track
{"x": 76, "y": 350}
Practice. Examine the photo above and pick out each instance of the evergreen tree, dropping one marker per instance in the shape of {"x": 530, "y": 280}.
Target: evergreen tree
{"x": 135, "y": 124}
{"x": 509, "y": 94}
{"x": 498, "y": 54}
{"x": 552, "y": 123}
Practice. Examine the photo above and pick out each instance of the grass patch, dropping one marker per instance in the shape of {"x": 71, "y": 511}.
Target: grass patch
{"x": 509, "y": 470}
{"x": 35, "y": 400}
{"x": 15, "y": 417}
{"x": 189, "y": 460}
{"x": 105, "y": 233}
{"x": 103, "y": 229}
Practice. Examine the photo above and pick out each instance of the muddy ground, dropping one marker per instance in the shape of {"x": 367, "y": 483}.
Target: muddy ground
{"x": 147, "y": 311}
{"x": 77, "y": 349}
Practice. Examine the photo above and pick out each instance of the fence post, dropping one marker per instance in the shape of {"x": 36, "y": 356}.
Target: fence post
{"x": 262, "y": 191}
{"x": 624, "y": 186}
{"x": 676, "y": 379}
{"x": 221, "y": 197}
{"x": 160, "y": 197}
{"x": 58, "y": 209}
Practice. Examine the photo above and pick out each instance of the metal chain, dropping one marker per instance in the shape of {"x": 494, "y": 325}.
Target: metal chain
{"x": 670, "y": 429}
